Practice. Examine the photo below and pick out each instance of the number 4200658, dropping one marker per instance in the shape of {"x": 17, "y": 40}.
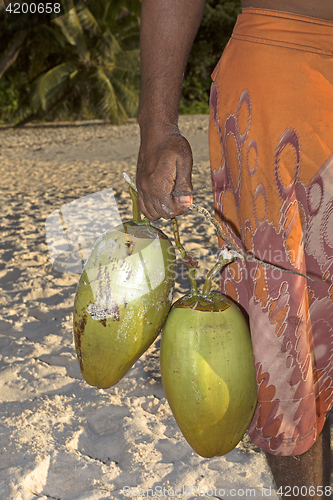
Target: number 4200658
{"x": 304, "y": 491}
{"x": 32, "y": 8}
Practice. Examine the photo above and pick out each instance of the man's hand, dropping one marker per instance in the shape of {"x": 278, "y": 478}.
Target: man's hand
{"x": 167, "y": 31}
{"x": 164, "y": 166}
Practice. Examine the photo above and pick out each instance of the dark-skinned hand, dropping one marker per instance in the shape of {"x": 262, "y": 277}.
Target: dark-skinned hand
{"x": 164, "y": 165}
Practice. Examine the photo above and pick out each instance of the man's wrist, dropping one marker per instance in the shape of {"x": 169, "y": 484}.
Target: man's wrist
{"x": 160, "y": 116}
{"x": 157, "y": 125}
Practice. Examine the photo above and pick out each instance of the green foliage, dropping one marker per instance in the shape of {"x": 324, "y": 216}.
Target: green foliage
{"x": 83, "y": 64}
{"x": 9, "y": 98}
{"x": 216, "y": 27}
{"x": 193, "y": 107}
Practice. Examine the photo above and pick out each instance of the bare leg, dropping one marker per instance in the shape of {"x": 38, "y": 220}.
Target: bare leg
{"x": 312, "y": 468}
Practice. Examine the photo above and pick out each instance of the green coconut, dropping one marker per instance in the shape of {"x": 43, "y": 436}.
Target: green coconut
{"x": 122, "y": 299}
{"x": 208, "y": 372}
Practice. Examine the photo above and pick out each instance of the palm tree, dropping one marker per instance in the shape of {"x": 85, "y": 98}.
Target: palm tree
{"x": 12, "y": 51}
{"x": 96, "y": 61}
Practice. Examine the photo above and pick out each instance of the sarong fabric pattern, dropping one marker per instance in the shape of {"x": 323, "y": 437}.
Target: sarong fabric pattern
{"x": 271, "y": 153}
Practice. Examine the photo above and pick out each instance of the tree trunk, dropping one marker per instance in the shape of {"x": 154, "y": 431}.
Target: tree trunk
{"x": 12, "y": 51}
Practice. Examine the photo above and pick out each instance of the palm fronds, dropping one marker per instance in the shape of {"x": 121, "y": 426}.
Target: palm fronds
{"x": 97, "y": 62}
{"x": 50, "y": 85}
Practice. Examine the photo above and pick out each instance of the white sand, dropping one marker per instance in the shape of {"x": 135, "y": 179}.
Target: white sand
{"x": 60, "y": 438}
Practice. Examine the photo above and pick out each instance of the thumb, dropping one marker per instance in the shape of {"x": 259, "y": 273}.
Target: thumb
{"x": 183, "y": 199}
{"x": 183, "y": 185}
{"x": 183, "y": 195}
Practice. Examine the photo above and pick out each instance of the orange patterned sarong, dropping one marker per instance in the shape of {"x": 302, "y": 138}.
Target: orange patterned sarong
{"x": 271, "y": 152}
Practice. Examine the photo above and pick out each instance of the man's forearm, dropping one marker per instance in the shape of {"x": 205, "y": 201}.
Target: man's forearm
{"x": 168, "y": 28}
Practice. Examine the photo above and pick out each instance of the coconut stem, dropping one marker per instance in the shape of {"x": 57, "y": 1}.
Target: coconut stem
{"x": 237, "y": 251}
{"x": 191, "y": 272}
{"x": 222, "y": 261}
{"x": 134, "y": 198}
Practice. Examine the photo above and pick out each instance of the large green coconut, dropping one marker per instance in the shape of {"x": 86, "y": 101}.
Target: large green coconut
{"x": 122, "y": 300}
{"x": 208, "y": 372}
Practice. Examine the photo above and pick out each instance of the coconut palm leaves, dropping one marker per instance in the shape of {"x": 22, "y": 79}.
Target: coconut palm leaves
{"x": 98, "y": 65}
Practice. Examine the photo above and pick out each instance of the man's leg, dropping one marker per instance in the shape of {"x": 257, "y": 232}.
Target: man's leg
{"x": 312, "y": 468}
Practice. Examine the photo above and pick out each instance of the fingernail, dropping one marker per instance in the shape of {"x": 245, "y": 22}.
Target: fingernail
{"x": 185, "y": 200}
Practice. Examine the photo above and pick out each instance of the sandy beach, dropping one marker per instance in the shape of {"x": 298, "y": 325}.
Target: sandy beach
{"x": 60, "y": 438}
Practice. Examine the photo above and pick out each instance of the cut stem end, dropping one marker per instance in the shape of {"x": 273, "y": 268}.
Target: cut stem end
{"x": 135, "y": 202}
